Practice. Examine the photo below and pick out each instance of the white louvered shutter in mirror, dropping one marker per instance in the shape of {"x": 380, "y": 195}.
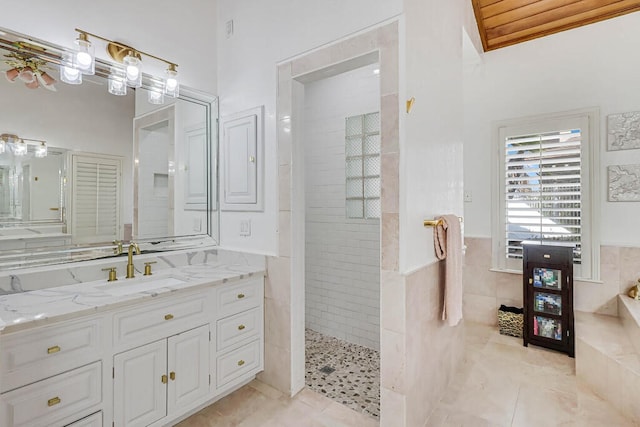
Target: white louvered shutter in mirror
{"x": 95, "y": 198}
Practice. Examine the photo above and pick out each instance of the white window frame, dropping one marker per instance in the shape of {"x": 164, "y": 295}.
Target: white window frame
{"x": 588, "y": 121}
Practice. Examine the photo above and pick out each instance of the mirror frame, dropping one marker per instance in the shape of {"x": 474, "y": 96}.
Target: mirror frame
{"x": 13, "y": 41}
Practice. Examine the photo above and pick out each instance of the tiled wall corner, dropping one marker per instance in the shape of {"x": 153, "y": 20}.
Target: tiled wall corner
{"x": 485, "y": 290}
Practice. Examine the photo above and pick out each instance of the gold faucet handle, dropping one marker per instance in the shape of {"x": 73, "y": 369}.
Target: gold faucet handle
{"x": 147, "y": 268}
{"x": 118, "y": 249}
{"x": 112, "y": 274}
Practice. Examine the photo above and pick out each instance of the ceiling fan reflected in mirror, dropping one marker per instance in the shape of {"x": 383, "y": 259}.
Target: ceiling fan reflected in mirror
{"x": 28, "y": 70}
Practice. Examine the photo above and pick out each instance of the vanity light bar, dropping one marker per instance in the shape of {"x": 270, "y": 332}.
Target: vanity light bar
{"x": 131, "y": 58}
{"x": 64, "y": 57}
{"x": 19, "y": 145}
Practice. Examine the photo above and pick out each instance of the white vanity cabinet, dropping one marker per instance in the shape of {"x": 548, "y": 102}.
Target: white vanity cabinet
{"x": 51, "y": 376}
{"x": 239, "y": 332}
{"x": 162, "y": 378}
{"x": 151, "y": 362}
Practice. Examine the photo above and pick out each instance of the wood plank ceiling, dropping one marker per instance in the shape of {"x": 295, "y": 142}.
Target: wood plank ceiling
{"x": 507, "y": 22}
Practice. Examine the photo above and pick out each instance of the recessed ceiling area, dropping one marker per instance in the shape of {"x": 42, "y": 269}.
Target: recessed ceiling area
{"x": 506, "y": 22}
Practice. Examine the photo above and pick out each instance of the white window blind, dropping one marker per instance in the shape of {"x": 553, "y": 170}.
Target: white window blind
{"x": 543, "y": 190}
{"x": 95, "y": 206}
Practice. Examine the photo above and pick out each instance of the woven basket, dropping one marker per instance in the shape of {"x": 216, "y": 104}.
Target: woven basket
{"x": 510, "y": 323}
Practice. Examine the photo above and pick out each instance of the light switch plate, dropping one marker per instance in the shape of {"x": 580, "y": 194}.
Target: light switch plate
{"x": 468, "y": 197}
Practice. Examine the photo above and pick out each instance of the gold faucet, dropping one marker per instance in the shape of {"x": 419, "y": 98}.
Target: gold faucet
{"x": 130, "y": 268}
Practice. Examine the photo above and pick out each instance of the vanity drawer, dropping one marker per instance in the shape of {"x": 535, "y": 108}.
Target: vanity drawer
{"x": 150, "y": 322}
{"x": 234, "y": 329}
{"x": 52, "y": 402}
{"x": 94, "y": 420}
{"x": 233, "y": 299}
{"x": 237, "y": 363}
{"x": 29, "y": 356}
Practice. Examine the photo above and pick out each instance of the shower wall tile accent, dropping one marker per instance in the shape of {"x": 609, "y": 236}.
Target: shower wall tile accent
{"x": 485, "y": 290}
{"x": 342, "y": 255}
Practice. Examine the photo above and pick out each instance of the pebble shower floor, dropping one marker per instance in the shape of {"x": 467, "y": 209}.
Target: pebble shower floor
{"x": 345, "y": 372}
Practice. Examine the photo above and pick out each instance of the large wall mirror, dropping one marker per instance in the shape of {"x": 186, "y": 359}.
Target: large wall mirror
{"x": 81, "y": 168}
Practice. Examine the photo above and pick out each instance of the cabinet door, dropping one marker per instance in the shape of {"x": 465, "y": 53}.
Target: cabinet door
{"x": 188, "y": 363}
{"x": 139, "y": 389}
{"x": 241, "y": 161}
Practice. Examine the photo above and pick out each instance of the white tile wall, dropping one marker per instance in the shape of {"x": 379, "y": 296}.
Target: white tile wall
{"x": 342, "y": 255}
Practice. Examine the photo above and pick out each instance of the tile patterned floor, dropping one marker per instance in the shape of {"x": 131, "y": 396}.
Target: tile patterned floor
{"x": 355, "y": 381}
{"x": 501, "y": 384}
{"x": 258, "y": 405}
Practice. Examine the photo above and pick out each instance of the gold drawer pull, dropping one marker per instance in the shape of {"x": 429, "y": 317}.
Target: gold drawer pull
{"x": 241, "y": 327}
{"x": 164, "y": 379}
{"x": 172, "y": 376}
{"x": 53, "y": 402}
{"x": 240, "y": 296}
{"x": 240, "y": 362}
{"x": 53, "y": 349}
{"x": 168, "y": 316}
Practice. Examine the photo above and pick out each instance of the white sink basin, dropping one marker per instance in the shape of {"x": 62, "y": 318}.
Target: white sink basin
{"x": 129, "y": 286}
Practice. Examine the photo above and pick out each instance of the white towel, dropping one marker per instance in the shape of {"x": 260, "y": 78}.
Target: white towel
{"x": 447, "y": 240}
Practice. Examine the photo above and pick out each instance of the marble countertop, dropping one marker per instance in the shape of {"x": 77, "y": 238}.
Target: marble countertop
{"x": 25, "y": 310}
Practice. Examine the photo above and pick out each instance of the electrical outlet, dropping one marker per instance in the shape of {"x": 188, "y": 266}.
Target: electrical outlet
{"x": 245, "y": 227}
{"x": 468, "y": 198}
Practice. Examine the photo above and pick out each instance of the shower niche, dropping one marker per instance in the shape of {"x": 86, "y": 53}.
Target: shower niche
{"x": 548, "y": 297}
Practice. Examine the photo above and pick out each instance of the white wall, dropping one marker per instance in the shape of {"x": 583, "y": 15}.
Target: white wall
{"x": 431, "y": 172}
{"x": 266, "y": 33}
{"x": 342, "y": 255}
{"x": 176, "y": 31}
{"x": 592, "y": 66}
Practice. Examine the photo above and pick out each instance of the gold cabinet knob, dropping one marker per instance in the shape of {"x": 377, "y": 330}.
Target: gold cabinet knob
{"x": 168, "y": 316}
{"x": 240, "y": 296}
{"x": 252, "y": 159}
{"x": 240, "y": 362}
{"x": 53, "y": 349}
{"x": 53, "y": 401}
{"x": 241, "y": 327}
{"x": 164, "y": 379}
{"x": 172, "y": 376}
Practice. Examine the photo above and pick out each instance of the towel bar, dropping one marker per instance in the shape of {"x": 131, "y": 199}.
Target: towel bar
{"x": 436, "y": 222}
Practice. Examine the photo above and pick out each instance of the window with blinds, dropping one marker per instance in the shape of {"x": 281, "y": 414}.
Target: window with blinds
{"x": 95, "y": 206}
{"x": 543, "y": 190}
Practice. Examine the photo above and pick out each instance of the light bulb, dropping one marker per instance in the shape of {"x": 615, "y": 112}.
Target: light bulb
{"x": 132, "y": 70}
{"x": 70, "y": 75}
{"x": 171, "y": 86}
{"x": 156, "y": 95}
{"x": 84, "y": 59}
{"x": 20, "y": 148}
{"x": 41, "y": 151}
{"x": 3, "y": 146}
